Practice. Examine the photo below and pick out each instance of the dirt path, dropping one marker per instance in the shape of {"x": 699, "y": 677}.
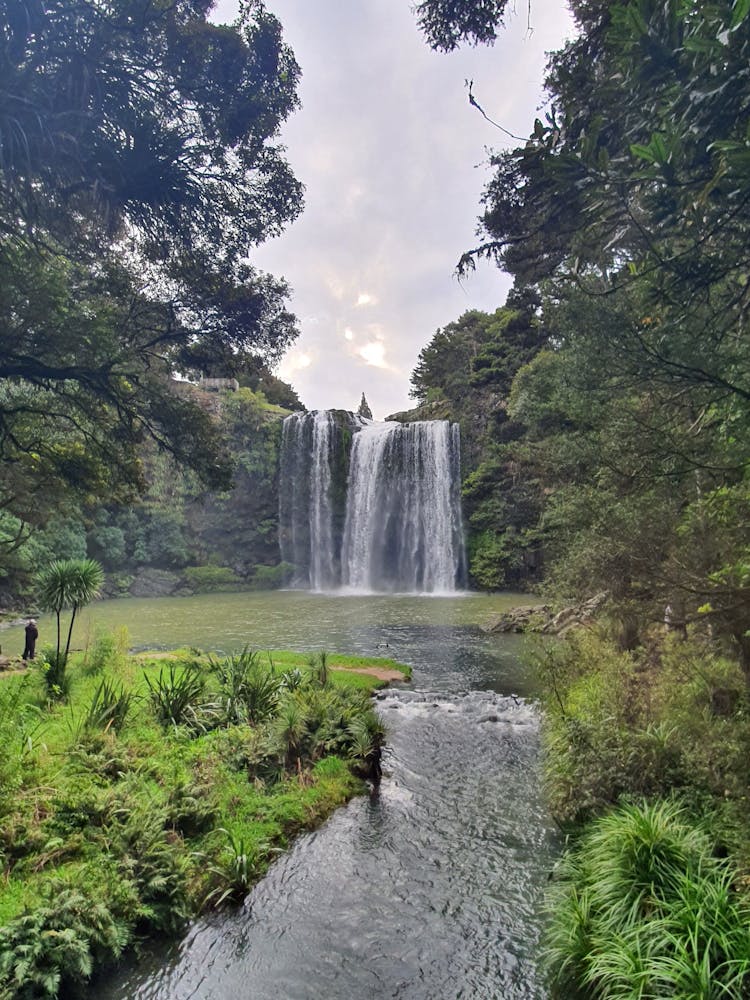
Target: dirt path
{"x": 382, "y": 673}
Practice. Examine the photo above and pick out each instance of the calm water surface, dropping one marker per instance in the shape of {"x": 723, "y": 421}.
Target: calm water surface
{"x": 429, "y": 889}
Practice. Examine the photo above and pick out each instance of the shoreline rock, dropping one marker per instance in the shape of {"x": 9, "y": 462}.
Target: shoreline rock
{"x": 540, "y": 618}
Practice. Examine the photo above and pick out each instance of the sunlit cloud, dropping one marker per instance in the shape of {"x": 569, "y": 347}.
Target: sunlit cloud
{"x": 374, "y": 354}
{"x": 293, "y": 362}
{"x": 365, "y": 299}
{"x": 349, "y": 333}
{"x": 335, "y": 287}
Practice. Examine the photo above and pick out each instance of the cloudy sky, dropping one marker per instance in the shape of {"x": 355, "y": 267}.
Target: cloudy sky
{"x": 394, "y": 162}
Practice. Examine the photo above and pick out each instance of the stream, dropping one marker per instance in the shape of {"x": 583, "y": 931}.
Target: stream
{"x": 429, "y": 889}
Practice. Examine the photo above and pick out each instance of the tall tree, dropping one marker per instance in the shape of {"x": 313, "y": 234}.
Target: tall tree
{"x": 629, "y": 207}
{"x": 139, "y": 167}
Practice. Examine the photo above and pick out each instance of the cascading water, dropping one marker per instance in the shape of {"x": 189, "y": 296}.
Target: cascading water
{"x": 371, "y": 506}
{"x": 312, "y": 490}
{"x": 403, "y": 516}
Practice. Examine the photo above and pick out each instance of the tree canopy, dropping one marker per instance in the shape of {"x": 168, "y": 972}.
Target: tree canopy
{"x": 139, "y": 166}
{"x": 627, "y": 210}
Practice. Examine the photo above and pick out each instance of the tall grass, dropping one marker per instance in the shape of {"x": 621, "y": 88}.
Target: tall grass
{"x": 176, "y": 693}
{"x": 642, "y": 910}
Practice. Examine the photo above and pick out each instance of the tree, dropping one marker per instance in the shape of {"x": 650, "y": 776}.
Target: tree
{"x": 465, "y": 373}
{"x": 140, "y": 166}
{"x": 447, "y": 23}
{"x": 629, "y": 209}
{"x": 67, "y": 583}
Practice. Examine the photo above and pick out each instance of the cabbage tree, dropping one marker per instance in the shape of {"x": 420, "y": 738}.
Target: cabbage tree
{"x": 68, "y": 583}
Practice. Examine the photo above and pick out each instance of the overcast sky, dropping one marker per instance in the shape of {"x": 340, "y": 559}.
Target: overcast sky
{"x": 394, "y": 161}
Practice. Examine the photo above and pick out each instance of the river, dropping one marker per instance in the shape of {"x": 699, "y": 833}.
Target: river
{"x": 428, "y": 890}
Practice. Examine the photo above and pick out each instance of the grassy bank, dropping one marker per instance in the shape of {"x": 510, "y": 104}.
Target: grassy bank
{"x": 646, "y": 768}
{"x": 160, "y": 786}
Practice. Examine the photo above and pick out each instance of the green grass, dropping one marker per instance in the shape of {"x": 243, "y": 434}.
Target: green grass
{"x": 162, "y": 813}
{"x": 641, "y": 908}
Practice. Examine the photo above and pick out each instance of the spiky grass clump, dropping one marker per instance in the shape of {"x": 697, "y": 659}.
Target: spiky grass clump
{"x": 642, "y": 910}
{"x": 176, "y": 693}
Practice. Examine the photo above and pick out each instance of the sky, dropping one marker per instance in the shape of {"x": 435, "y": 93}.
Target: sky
{"x": 394, "y": 161}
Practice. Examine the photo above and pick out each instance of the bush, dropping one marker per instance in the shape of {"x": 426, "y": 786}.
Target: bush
{"x": 108, "y": 649}
{"x": 249, "y": 688}
{"x": 109, "y": 707}
{"x": 176, "y": 694}
{"x": 56, "y": 680}
{"x": 205, "y": 579}
{"x": 239, "y": 867}
{"x": 641, "y": 908}
{"x": 272, "y": 577}
{"x": 57, "y": 944}
{"x": 640, "y": 724}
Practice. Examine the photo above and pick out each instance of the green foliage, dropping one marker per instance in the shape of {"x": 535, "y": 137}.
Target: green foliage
{"x": 239, "y": 868}
{"x": 272, "y": 577}
{"x": 641, "y": 907}
{"x": 467, "y": 370}
{"x": 66, "y": 583}
{"x": 208, "y": 579}
{"x": 57, "y": 945}
{"x": 108, "y": 650}
{"x": 177, "y": 693}
{"x": 671, "y": 717}
{"x": 446, "y": 23}
{"x": 21, "y": 724}
{"x": 191, "y": 169}
{"x": 134, "y": 818}
{"x": 109, "y": 706}
{"x": 249, "y": 688}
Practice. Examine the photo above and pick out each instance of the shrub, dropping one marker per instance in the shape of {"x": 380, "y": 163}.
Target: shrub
{"x": 204, "y": 579}
{"x": 57, "y": 682}
{"x": 109, "y": 707}
{"x": 249, "y": 689}
{"x": 272, "y": 577}
{"x": 641, "y": 908}
{"x": 238, "y": 869}
{"x": 107, "y": 650}
{"x": 176, "y": 693}
{"x": 20, "y": 725}
{"x": 57, "y": 944}
{"x": 622, "y": 724}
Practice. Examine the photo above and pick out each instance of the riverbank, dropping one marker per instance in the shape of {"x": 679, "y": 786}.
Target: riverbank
{"x": 645, "y": 761}
{"x": 163, "y": 786}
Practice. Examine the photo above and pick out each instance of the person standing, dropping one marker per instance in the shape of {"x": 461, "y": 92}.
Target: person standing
{"x": 32, "y": 634}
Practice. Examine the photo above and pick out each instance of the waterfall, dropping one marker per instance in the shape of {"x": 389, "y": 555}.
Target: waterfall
{"x": 312, "y": 494}
{"x": 371, "y": 506}
{"x": 403, "y": 517}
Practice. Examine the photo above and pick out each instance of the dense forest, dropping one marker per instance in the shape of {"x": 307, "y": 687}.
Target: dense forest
{"x": 181, "y": 536}
{"x": 622, "y": 431}
{"x": 140, "y": 167}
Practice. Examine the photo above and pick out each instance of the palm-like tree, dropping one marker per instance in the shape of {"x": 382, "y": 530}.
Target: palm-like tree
{"x": 68, "y": 583}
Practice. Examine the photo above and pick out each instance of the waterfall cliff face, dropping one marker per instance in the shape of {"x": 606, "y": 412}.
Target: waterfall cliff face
{"x": 371, "y": 506}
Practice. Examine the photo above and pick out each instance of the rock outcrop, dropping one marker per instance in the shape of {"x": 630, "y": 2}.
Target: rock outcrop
{"x": 541, "y": 618}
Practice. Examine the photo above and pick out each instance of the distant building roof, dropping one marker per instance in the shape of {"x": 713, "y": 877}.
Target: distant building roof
{"x": 219, "y": 384}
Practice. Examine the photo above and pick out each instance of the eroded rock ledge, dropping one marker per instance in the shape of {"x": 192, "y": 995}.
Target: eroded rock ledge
{"x": 543, "y": 619}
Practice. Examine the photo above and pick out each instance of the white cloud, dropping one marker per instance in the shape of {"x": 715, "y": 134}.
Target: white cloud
{"x": 388, "y": 147}
{"x": 373, "y": 353}
{"x": 292, "y": 362}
